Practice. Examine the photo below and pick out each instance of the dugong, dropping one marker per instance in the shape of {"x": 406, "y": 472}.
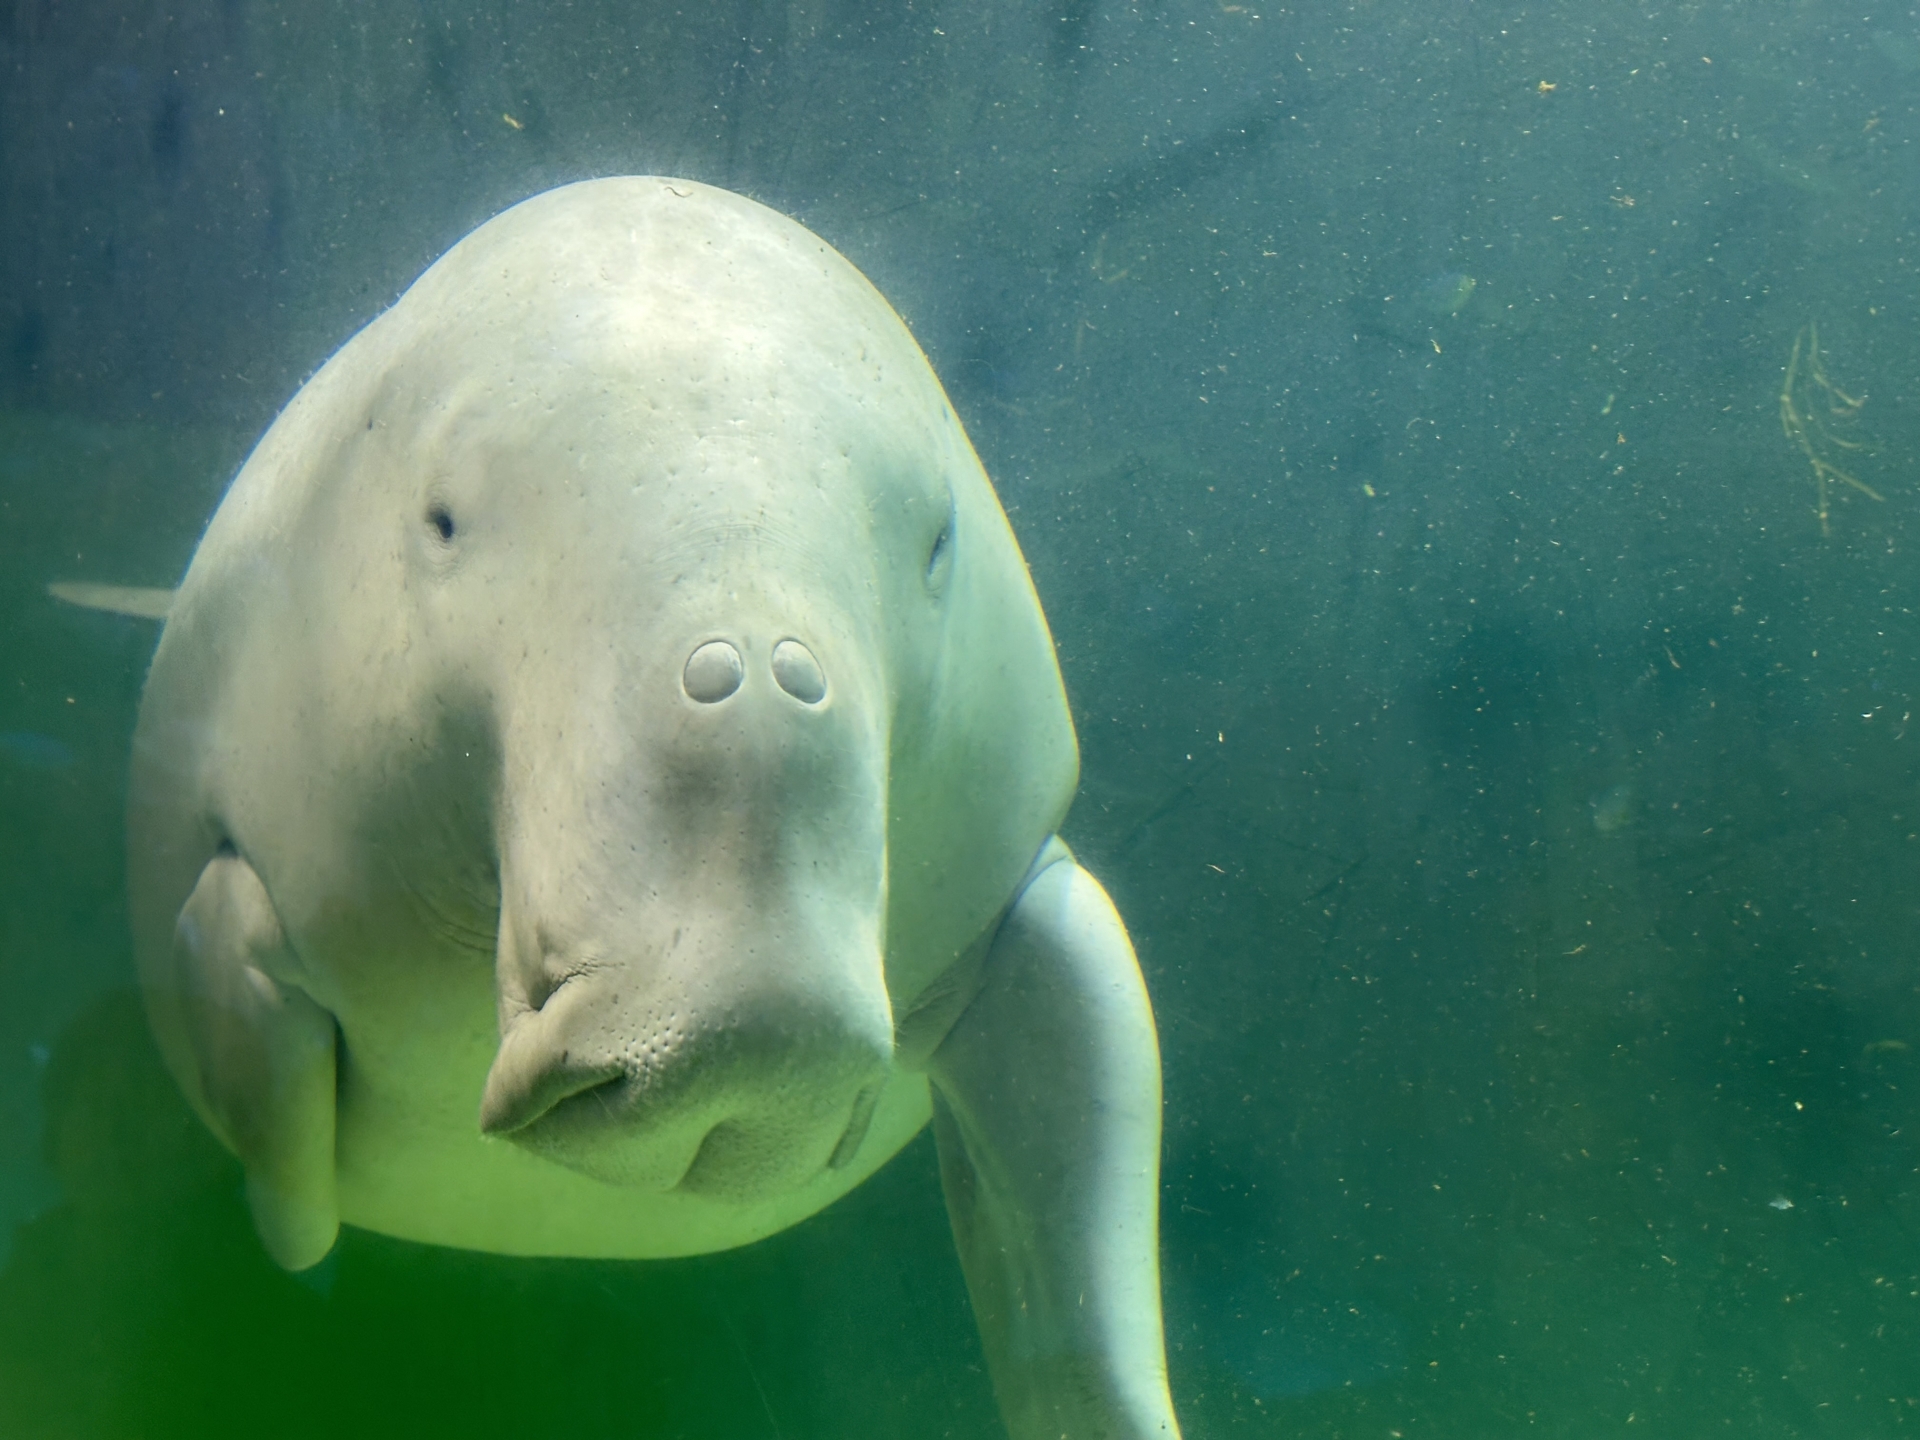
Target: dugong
{"x": 595, "y": 794}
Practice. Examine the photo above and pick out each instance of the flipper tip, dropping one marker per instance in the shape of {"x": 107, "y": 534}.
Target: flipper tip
{"x": 141, "y": 602}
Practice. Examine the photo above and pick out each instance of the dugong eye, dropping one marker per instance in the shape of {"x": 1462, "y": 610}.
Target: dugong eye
{"x": 713, "y": 672}
{"x": 940, "y": 559}
{"x": 441, "y": 519}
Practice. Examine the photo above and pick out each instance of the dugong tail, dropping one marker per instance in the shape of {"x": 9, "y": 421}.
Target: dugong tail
{"x": 140, "y": 601}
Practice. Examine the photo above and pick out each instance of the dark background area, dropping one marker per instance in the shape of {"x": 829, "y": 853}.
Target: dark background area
{"x": 1507, "y": 778}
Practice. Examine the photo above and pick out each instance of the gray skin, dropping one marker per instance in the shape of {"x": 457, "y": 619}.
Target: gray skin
{"x": 595, "y": 795}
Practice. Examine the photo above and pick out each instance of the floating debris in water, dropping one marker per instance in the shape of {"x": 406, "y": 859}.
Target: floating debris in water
{"x": 1811, "y": 405}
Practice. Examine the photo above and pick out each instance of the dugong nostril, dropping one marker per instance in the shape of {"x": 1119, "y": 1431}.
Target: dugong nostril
{"x": 713, "y": 672}
{"x": 798, "y": 672}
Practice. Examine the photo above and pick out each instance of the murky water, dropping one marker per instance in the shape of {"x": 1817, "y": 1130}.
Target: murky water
{"x": 1494, "y": 655}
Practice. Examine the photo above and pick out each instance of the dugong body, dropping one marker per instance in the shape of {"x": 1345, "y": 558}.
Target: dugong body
{"x": 595, "y": 795}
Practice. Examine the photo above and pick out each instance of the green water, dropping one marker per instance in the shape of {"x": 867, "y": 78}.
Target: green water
{"x": 1513, "y": 793}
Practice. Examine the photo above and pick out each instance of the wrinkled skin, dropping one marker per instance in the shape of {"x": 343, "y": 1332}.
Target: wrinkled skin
{"x": 589, "y": 766}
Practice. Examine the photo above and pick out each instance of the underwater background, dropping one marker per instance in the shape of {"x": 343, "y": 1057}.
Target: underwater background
{"x": 1469, "y": 453}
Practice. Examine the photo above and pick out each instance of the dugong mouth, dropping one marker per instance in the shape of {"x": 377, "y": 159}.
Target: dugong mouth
{"x": 739, "y": 1111}
{"x": 740, "y": 1157}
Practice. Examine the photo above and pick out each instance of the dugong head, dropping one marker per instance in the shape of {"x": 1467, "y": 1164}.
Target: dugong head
{"x": 625, "y": 612}
{"x": 671, "y": 512}
{"x": 681, "y": 489}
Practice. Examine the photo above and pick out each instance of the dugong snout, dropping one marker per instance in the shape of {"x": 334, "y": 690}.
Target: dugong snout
{"x": 691, "y": 986}
{"x": 736, "y": 1099}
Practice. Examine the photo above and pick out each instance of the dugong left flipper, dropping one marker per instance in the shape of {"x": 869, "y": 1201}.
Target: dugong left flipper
{"x": 263, "y": 1057}
{"x": 1047, "y": 1115}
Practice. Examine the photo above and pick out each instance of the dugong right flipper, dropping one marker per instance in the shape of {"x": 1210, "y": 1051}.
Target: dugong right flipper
{"x": 1047, "y": 1115}
{"x": 263, "y": 1053}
